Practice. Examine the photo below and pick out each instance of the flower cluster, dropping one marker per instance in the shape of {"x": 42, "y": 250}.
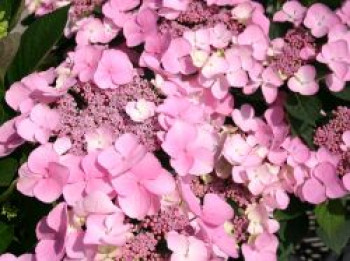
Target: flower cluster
{"x": 140, "y": 144}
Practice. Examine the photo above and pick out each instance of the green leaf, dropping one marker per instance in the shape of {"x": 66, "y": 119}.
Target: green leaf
{"x": 36, "y": 43}
{"x": 295, "y": 209}
{"x": 333, "y": 4}
{"x": 291, "y": 232}
{"x": 13, "y": 10}
{"x": 344, "y": 94}
{"x": 334, "y": 227}
{"x": 8, "y": 49}
{"x": 304, "y": 108}
{"x": 8, "y": 169}
{"x": 6, "y": 236}
{"x": 302, "y": 130}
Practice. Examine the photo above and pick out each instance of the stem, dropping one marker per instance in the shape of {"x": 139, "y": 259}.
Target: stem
{"x": 7, "y": 194}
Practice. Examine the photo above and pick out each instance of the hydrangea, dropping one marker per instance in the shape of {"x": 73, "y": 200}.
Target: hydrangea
{"x": 149, "y": 140}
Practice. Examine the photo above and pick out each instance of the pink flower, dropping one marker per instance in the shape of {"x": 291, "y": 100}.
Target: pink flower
{"x": 346, "y": 181}
{"x": 215, "y": 65}
{"x": 119, "y": 11}
{"x": 201, "y": 38}
{"x": 303, "y": 81}
{"x": 177, "y": 57}
{"x": 244, "y": 117}
{"x": 335, "y": 84}
{"x": 272, "y": 134}
{"x": 224, "y": 2}
{"x": 85, "y": 62}
{"x": 99, "y": 139}
{"x": 43, "y": 176}
{"x": 9, "y": 139}
{"x": 39, "y": 124}
{"x": 220, "y": 36}
{"x": 18, "y": 97}
{"x": 186, "y": 248}
{"x": 179, "y": 108}
{"x": 243, "y": 12}
{"x": 10, "y": 257}
{"x": 23, "y": 95}
{"x": 344, "y": 12}
{"x": 51, "y": 232}
{"x": 320, "y": 19}
{"x": 240, "y": 61}
{"x": 270, "y": 82}
{"x": 154, "y": 48}
{"x": 191, "y": 149}
{"x": 114, "y": 69}
{"x": 323, "y": 181}
{"x": 292, "y": 11}
{"x": 95, "y": 203}
{"x": 346, "y": 141}
{"x": 264, "y": 248}
{"x": 323, "y": 184}
{"x": 171, "y": 9}
{"x": 254, "y": 36}
{"x": 126, "y": 152}
{"x": 337, "y": 61}
{"x": 261, "y": 220}
{"x": 139, "y": 188}
{"x": 298, "y": 152}
{"x": 212, "y": 216}
{"x": 76, "y": 250}
{"x": 93, "y": 31}
{"x": 106, "y": 229}
{"x": 90, "y": 178}
{"x": 140, "y": 27}
{"x": 239, "y": 151}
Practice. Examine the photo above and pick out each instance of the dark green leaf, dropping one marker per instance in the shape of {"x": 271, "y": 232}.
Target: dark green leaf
{"x": 302, "y": 130}
{"x": 36, "y": 42}
{"x": 334, "y": 227}
{"x": 333, "y": 4}
{"x": 304, "y": 108}
{"x": 290, "y": 234}
{"x": 6, "y": 236}
{"x": 31, "y": 211}
{"x": 292, "y": 231}
{"x": 13, "y": 10}
{"x": 8, "y": 48}
{"x": 330, "y": 215}
{"x": 8, "y": 169}
{"x": 336, "y": 242}
{"x": 295, "y": 209}
{"x": 344, "y": 94}
{"x": 284, "y": 252}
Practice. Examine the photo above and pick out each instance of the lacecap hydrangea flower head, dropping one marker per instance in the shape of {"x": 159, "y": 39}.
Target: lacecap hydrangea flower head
{"x": 146, "y": 145}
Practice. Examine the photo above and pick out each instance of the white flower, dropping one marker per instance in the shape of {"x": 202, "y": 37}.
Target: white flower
{"x": 140, "y": 110}
{"x": 101, "y": 138}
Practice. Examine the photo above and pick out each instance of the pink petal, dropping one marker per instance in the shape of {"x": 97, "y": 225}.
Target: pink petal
{"x": 215, "y": 210}
{"x": 16, "y": 95}
{"x": 346, "y": 181}
{"x": 148, "y": 168}
{"x": 177, "y": 243}
{"x": 98, "y": 203}
{"x": 313, "y": 191}
{"x": 326, "y": 172}
{"x": 135, "y": 204}
{"x": 47, "y": 250}
{"x": 162, "y": 185}
{"x": 36, "y": 162}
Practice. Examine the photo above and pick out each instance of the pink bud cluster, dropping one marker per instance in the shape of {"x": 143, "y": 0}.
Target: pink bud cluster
{"x": 141, "y": 146}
